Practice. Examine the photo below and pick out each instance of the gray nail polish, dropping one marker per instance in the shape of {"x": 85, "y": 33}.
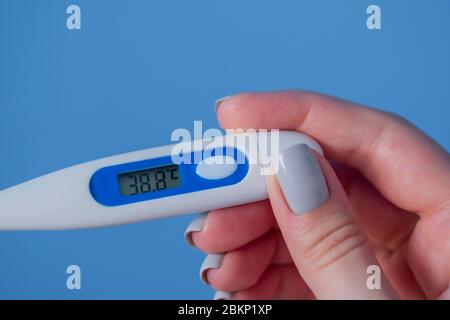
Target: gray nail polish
{"x": 212, "y": 261}
{"x": 196, "y": 225}
{"x": 222, "y": 295}
{"x": 301, "y": 179}
{"x": 219, "y": 101}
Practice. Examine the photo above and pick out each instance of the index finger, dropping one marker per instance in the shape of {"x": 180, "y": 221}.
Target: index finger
{"x": 405, "y": 165}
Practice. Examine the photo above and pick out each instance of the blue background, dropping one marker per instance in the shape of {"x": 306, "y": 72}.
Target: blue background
{"x": 139, "y": 69}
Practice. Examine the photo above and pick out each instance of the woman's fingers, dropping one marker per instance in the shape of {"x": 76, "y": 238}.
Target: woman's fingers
{"x": 326, "y": 244}
{"x": 405, "y": 165}
{"x": 277, "y": 282}
{"x": 227, "y": 229}
{"x": 388, "y": 228}
{"x": 242, "y": 268}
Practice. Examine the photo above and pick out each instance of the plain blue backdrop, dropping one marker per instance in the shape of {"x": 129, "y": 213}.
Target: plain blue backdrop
{"x": 139, "y": 69}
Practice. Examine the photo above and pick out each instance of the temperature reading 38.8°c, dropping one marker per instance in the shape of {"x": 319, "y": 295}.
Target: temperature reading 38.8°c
{"x": 149, "y": 180}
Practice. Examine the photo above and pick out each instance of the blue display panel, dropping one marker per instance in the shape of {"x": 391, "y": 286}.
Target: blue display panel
{"x": 107, "y": 187}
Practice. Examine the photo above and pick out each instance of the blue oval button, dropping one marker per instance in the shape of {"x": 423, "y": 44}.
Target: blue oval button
{"x": 216, "y": 167}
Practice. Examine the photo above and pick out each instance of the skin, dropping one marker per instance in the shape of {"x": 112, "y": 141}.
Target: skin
{"x": 389, "y": 205}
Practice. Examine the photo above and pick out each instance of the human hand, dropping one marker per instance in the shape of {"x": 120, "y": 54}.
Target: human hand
{"x": 388, "y": 205}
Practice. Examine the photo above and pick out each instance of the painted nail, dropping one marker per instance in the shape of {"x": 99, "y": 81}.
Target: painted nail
{"x": 196, "y": 225}
{"x": 212, "y": 261}
{"x": 223, "y": 295}
{"x": 219, "y": 101}
{"x": 301, "y": 179}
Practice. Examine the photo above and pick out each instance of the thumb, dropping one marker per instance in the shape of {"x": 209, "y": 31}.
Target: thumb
{"x": 329, "y": 249}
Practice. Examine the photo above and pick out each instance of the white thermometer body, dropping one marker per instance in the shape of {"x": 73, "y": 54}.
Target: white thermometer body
{"x": 137, "y": 186}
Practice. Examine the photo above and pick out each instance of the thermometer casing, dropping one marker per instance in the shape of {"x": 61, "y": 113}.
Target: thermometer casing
{"x": 72, "y": 198}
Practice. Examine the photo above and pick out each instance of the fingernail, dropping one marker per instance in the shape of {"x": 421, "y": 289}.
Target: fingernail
{"x": 212, "y": 261}
{"x": 223, "y": 295}
{"x": 219, "y": 101}
{"x": 196, "y": 225}
{"x": 301, "y": 179}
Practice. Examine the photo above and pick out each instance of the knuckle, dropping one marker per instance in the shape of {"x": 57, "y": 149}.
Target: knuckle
{"x": 335, "y": 236}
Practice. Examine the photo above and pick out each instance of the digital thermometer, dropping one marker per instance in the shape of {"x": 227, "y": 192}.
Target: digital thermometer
{"x": 141, "y": 185}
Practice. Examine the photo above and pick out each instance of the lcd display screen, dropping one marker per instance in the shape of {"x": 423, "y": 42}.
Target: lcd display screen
{"x": 149, "y": 180}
